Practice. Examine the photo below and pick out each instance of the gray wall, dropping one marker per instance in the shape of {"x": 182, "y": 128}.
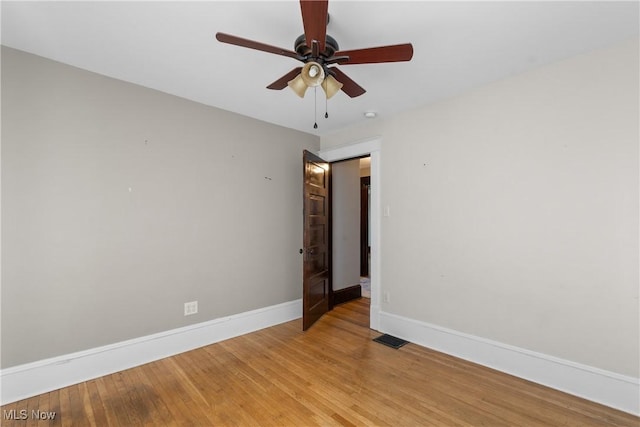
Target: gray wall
{"x": 514, "y": 210}
{"x": 120, "y": 204}
{"x": 345, "y": 178}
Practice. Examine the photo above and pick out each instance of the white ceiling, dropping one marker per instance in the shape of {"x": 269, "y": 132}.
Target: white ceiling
{"x": 170, "y": 46}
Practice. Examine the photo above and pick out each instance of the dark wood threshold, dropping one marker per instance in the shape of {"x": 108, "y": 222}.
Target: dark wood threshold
{"x": 347, "y": 294}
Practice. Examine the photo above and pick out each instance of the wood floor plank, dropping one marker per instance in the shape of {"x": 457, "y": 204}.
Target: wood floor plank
{"x": 77, "y": 406}
{"x": 54, "y": 404}
{"x": 331, "y": 375}
{"x": 393, "y": 398}
{"x": 138, "y": 398}
{"x": 66, "y": 415}
{"x": 257, "y": 402}
{"x": 103, "y": 396}
{"x": 95, "y": 402}
{"x": 114, "y": 400}
{"x": 32, "y": 405}
{"x": 166, "y": 387}
{"x": 292, "y": 394}
{"x": 45, "y": 407}
{"x": 172, "y": 389}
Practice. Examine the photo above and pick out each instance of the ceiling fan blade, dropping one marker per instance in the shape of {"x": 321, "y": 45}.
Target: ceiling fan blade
{"x": 281, "y": 83}
{"x": 372, "y": 55}
{"x": 251, "y": 44}
{"x": 314, "y": 20}
{"x": 349, "y": 87}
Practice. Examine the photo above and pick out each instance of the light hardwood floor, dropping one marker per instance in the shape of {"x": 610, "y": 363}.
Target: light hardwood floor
{"x": 332, "y": 374}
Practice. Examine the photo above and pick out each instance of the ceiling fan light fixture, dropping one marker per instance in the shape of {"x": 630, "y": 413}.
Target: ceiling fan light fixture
{"x": 298, "y": 85}
{"x": 312, "y": 74}
{"x": 331, "y": 86}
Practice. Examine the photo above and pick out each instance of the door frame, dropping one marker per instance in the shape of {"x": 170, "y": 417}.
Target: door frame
{"x": 371, "y": 147}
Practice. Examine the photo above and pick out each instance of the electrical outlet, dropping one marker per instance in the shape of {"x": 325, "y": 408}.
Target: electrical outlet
{"x": 190, "y": 308}
{"x": 386, "y": 297}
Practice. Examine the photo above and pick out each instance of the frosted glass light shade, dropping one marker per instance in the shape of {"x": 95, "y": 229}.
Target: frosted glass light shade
{"x": 312, "y": 74}
{"x": 298, "y": 86}
{"x": 331, "y": 86}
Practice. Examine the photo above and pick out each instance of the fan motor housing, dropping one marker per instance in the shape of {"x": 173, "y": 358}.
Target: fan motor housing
{"x": 301, "y": 48}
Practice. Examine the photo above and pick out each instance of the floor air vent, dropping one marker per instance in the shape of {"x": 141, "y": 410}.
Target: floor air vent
{"x": 390, "y": 341}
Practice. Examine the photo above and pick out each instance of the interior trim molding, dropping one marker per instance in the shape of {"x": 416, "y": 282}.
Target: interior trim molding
{"x": 24, "y": 381}
{"x": 347, "y": 294}
{"x": 598, "y": 385}
{"x": 352, "y": 149}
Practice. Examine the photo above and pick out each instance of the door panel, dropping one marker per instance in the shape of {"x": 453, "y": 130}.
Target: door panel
{"x": 365, "y": 183}
{"x": 316, "y": 271}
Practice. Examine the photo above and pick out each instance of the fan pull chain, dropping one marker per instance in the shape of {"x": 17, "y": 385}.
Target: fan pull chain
{"x": 326, "y": 107}
{"x": 315, "y": 107}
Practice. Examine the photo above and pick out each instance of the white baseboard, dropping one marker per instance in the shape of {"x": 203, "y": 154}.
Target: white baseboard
{"x": 611, "y": 389}
{"x": 24, "y": 381}
{"x": 608, "y": 388}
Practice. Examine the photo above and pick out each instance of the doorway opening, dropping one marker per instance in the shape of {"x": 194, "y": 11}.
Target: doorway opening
{"x": 350, "y": 213}
{"x": 364, "y": 148}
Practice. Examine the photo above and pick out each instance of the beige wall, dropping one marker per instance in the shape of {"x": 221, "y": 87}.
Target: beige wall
{"x": 346, "y": 223}
{"x": 120, "y": 204}
{"x": 514, "y": 210}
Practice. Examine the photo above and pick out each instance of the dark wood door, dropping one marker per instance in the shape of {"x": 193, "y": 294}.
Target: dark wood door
{"x": 365, "y": 182}
{"x": 316, "y": 285}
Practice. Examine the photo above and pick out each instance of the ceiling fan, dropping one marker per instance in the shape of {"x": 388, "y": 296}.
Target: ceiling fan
{"x": 319, "y": 51}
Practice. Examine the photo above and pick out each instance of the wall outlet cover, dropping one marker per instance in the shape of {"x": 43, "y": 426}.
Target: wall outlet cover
{"x": 190, "y": 308}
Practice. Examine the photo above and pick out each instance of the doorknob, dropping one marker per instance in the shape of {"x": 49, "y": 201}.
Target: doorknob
{"x": 301, "y": 250}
